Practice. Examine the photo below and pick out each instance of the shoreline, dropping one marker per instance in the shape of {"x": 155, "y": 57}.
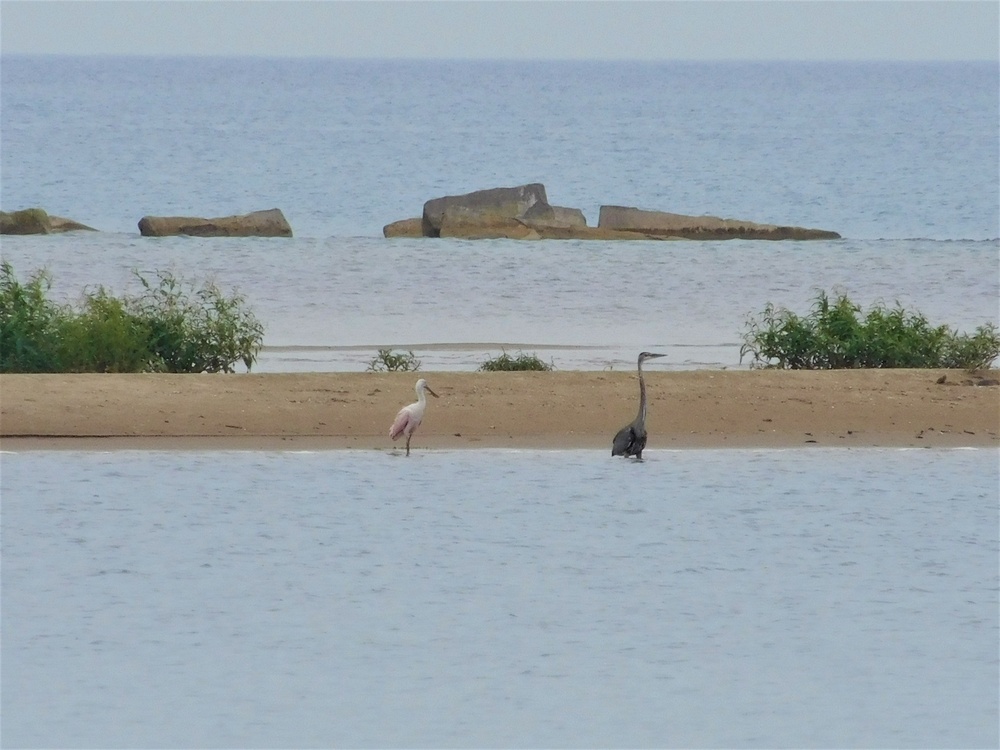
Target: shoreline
{"x": 518, "y": 410}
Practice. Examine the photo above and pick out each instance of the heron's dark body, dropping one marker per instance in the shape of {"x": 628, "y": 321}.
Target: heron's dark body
{"x": 629, "y": 442}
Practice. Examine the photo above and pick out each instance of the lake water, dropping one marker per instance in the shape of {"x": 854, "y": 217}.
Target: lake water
{"x": 581, "y": 306}
{"x": 492, "y": 598}
{"x": 900, "y": 158}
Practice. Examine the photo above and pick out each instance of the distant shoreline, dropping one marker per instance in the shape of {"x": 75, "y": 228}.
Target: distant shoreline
{"x": 524, "y": 410}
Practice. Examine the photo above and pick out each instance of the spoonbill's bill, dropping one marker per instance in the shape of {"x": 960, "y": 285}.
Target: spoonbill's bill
{"x": 410, "y": 417}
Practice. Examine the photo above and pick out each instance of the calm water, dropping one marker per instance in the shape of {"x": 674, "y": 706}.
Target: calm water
{"x": 901, "y": 159}
{"x": 875, "y": 150}
{"x": 579, "y": 305}
{"x": 702, "y": 598}
{"x": 842, "y": 598}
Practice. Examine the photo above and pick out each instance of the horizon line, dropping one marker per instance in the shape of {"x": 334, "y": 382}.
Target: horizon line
{"x": 360, "y": 58}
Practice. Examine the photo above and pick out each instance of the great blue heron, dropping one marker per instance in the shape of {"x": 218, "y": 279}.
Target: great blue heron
{"x": 631, "y": 438}
{"x": 409, "y": 417}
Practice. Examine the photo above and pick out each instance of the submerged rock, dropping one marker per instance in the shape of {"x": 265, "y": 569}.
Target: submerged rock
{"x": 662, "y": 224}
{"x": 476, "y": 224}
{"x": 37, "y": 221}
{"x": 28, "y": 221}
{"x": 404, "y": 228}
{"x": 270, "y": 223}
{"x": 60, "y": 224}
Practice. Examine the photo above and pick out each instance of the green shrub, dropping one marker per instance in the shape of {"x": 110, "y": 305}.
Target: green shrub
{"x": 167, "y": 328}
{"x": 31, "y": 326}
{"x": 506, "y": 363}
{"x": 387, "y": 361}
{"x": 104, "y": 337}
{"x": 200, "y": 331}
{"x": 835, "y": 335}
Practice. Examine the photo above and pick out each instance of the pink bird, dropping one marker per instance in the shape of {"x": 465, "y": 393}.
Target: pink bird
{"x": 410, "y": 417}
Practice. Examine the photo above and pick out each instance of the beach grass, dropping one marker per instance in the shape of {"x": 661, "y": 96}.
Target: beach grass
{"x": 386, "y": 360}
{"x": 521, "y": 363}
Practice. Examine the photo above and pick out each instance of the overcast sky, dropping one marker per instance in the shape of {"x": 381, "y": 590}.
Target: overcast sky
{"x": 564, "y": 29}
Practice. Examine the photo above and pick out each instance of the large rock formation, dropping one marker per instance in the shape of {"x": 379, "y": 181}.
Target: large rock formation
{"x": 493, "y": 206}
{"x": 521, "y": 212}
{"x": 37, "y": 221}
{"x": 660, "y": 224}
{"x": 271, "y": 223}
{"x": 524, "y": 212}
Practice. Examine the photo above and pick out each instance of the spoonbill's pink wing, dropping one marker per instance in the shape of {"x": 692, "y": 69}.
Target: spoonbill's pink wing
{"x": 403, "y": 419}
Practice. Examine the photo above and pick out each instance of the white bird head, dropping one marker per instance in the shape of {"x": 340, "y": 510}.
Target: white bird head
{"x": 422, "y": 386}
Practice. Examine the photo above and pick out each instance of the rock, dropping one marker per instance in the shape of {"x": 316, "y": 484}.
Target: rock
{"x": 59, "y": 224}
{"x": 404, "y": 228}
{"x": 473, "y": 224}
{"x": 524, "y": 212}
{"x": 269, "y": 223}
{"x": 470, "y": 224}
{"x": 525, "y": 202}
{"x": 27, "y": 221}
{"x": 662, "y": 224}
{"x": 594, "y": 233}
{"x": 37, "y": 221}
{"x": 562, "y": 217}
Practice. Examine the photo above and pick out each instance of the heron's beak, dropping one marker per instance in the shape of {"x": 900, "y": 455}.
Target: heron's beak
{"x": 656, "y": 356}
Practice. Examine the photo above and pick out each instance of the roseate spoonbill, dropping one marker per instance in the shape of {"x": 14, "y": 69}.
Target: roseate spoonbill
{"x": 631, "y": 438}
{"x": 409, "y": 417}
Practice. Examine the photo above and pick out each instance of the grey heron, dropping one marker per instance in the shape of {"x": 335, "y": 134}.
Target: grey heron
{"x": 409, "y": 417}
{"x": 631, "y": 438}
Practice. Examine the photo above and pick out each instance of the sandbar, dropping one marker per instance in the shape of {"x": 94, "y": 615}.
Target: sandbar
{"x": 520, "y": 410}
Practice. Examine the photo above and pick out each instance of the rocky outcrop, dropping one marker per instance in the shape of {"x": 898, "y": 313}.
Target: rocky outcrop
{"x": 494, "y": 206}
{"x": 661, "y": 224}
{"x": 524, "y": 213}
{"x": 521, "y": 212}
{"x": 37, "y": 221}
{"x": 469, "y": 223}
{"x": 28, "y": 221}
{"x": 271, "y": 223}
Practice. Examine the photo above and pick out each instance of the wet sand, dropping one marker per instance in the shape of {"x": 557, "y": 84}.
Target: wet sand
{"x": 558, "y": 410}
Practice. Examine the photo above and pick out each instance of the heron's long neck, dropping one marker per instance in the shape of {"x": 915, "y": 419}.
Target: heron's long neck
{"x": 642, "y": 396}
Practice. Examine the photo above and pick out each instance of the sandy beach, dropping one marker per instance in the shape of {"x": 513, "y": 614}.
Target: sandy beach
{"x": 690, "y": 409}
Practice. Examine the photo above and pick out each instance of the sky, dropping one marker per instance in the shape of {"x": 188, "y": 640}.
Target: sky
{"x": 518, "y": 29}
